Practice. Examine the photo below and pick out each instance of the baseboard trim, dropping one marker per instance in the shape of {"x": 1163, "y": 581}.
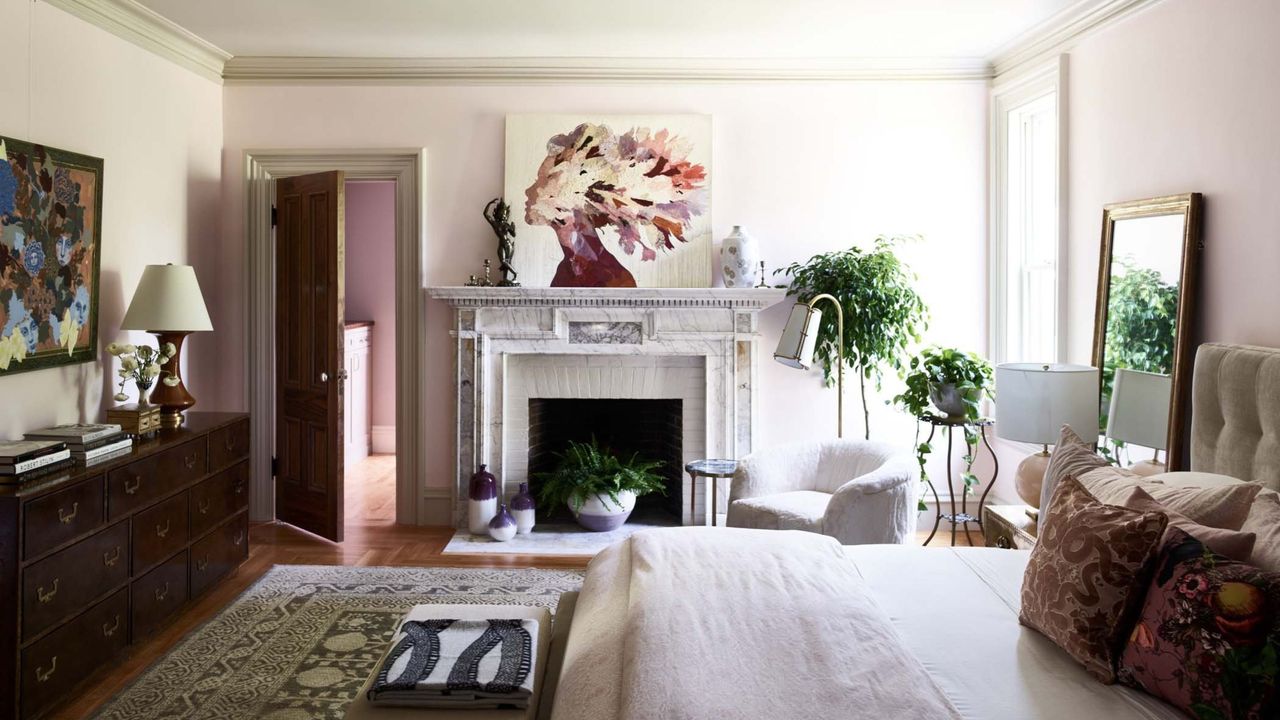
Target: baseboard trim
{"x": 382, "y": 439}
{"x": 436, "y": 507}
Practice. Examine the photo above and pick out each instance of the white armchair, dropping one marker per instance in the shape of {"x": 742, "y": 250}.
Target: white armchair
{"x": 859, "y": 492}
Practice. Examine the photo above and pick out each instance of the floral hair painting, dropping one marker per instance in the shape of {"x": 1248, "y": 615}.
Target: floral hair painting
{"x": 615, "y": 198}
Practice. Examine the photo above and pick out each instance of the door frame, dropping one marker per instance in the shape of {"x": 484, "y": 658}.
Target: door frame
{"x": 407, "y": 167}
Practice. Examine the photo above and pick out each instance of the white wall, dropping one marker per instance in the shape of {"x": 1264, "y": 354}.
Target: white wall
{"x": 806, "y": 167}
{"x": 158, "y": 129}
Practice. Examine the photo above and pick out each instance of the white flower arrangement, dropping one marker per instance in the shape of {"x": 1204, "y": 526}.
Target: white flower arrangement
{"x": 141, "y": 364}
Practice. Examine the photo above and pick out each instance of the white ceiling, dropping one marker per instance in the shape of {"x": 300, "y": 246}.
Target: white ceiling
{"x": 590, "y": 28}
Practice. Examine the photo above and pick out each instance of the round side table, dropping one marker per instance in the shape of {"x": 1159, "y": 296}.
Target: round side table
{"x": 713, "y": 469}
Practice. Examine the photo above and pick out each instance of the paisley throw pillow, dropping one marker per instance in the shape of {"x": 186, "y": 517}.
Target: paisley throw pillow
{"x": 1087, "y": 575}
{"x": 1208, "y": 638}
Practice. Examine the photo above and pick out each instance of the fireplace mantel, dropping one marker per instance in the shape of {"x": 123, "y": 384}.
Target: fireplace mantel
{"x": 734, "y": 298}
{"x": 697, "y": 344}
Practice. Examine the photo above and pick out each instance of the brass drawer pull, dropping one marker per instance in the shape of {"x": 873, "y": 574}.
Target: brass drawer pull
{"x": 161, "y": 594}
{"x": 44, "y": 675}
{"x": 111, "y": 558}
{"x": 109, "y": 630}
{"x": 130, "y": 489}
{"x": 239, "y": 487}
{"x": 1003, "y": 543}
{"x": 190, "y": 460}
{"x": 47, "y": 597}
{"x": 162, "y": 531}
{"x": 203, "y": 506}
{"x": 239, "y": 538}
{"x": 229, "y": 443}
{"x": 201, "y": 565}
{"x": 66, "y": 517}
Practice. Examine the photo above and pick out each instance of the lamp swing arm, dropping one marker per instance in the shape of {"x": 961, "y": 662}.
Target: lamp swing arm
{"x": 839, "y": 357}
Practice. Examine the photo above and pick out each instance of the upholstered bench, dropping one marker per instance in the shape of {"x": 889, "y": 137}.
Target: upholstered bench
{"x": 550, "y": 658}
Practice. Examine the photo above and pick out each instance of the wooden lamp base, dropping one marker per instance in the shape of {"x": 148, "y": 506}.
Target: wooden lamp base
{"x": 172, "y": 399}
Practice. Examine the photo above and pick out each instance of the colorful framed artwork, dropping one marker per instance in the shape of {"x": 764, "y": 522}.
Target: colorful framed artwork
{"x": 610, "y": 200}
{"x": 50, "y": 250}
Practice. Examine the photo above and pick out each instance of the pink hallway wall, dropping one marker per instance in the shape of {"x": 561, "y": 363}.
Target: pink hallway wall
{"x": 1183, "y": 97}
{"x": 371, "y": 289}
{"x": 158, "y": 129}
{"x": 806, "y": 167}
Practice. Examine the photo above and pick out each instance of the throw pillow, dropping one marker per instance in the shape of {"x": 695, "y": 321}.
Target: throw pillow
{"x": 1235, "y": 544}
{"x": 1219, "y": 507}
{"x": 1087, "y": 574}
{"x": 1112, "y": 484}
{"x": 1071, "y": 456}
{"x": 1264, "y": 521}
{"x": 1208, "y": 637}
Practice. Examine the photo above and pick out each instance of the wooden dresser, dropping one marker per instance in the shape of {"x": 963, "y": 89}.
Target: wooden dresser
{"x": 93, "y": 559}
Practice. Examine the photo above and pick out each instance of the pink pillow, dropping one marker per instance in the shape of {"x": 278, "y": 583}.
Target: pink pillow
{"x": 1233, "y": 544}
{"x": 1208, "y": 635}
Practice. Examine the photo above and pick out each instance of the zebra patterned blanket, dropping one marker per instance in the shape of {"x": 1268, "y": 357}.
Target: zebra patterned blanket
{"x": 450, "y": 663}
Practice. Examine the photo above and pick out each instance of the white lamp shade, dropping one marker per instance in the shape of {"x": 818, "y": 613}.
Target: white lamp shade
{"x": 167, "y": 299}
{"x": 799, "y": 337}
{"x": 1034, "y": 401}
{"x": 1140, "y": 408}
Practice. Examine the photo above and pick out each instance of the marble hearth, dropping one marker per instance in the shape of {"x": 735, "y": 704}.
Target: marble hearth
{"x": 701, "y": 346}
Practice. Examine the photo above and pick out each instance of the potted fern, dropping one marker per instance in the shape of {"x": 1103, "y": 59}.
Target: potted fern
{"x": 597, "y": 485}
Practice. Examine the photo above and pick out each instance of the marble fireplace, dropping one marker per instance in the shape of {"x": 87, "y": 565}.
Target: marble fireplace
{"x": 700, "y": 347}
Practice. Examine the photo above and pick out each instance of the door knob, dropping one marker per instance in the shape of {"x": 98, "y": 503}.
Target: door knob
{"x": 324, "y": 377}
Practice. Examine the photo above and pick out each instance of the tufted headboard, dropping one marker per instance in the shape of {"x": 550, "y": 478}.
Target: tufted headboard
{"x": 1235, "y": 413}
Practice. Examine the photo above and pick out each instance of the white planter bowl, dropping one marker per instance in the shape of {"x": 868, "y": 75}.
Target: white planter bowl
{"x": 601, "y": 514}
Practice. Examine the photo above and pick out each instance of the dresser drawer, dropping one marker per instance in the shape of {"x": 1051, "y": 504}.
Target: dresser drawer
{"x": 138, "y": 484}
{"x": 62, "y": 516}
{"x": 159, "y": 532}
{"x": 218, "y": 553}
{"x": 52, "y": 667}
{"x": 228, "y": 445}
{"x": 63, "y": 583}
{"x": 158, "y": 594}
{"x": 219, "y": 497}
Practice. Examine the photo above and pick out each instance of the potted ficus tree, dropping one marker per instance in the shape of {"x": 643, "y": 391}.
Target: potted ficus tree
{"x": 952, "y": 382}
{"x": 597, "y": 485}
{"x": 883, "y": 314}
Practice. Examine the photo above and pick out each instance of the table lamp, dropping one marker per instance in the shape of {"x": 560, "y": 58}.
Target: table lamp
{"x": 1033, "y": 402}
{"x": 1139, "y": 414}
{"x": 800, "y": 337}
{"x": 168, "y": 303}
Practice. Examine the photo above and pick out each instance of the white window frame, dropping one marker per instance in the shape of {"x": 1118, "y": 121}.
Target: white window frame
{"x": 1008, "y": 94}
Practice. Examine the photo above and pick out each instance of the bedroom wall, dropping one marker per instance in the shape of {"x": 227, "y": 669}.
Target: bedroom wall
{"x": 158, "y": 129}
{"x": 806, "y": 167}
{"x": 371, "y": 289}
{"x": 1183, "y": 97}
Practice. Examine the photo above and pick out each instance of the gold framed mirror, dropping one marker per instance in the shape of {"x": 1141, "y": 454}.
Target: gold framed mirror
{"x": 1143, "y": 325}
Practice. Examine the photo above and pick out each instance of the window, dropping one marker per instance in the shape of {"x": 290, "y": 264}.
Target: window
{"x": 1026, "y": 220}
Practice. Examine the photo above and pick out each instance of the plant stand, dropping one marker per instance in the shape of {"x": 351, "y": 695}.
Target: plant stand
{"x": 962, "y": 515}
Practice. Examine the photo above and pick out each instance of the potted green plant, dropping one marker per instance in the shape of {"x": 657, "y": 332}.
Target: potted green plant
{"x": 883, "y": 314}
{"x": 954, "y": 382}
{"x": 597, "y": 485}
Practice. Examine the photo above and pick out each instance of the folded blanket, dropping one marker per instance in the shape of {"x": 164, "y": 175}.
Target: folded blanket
{"x": 447, "y": 663}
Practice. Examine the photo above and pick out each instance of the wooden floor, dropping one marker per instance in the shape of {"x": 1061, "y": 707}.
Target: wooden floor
{"x": 370, "y": 486}
{"x": 368, "y": 543}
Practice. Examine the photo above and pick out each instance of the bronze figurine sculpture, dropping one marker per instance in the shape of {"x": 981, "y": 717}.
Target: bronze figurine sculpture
{"x": 498, "y": 215}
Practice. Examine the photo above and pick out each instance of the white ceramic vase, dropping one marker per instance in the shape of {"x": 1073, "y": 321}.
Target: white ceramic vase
{"x": 479, "y": 513}
{"x": 601, "y": 514}
{"x": 740, "y": 259}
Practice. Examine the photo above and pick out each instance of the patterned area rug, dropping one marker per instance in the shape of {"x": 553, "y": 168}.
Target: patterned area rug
{"x": 299, "y": 644}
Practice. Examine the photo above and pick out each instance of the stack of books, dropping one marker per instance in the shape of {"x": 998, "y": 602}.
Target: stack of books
{"x": 88, "y": 444}
{"x": 23, "y": 460}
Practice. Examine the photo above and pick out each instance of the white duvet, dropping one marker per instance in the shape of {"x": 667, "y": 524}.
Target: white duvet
{"x": 710, "y": 650}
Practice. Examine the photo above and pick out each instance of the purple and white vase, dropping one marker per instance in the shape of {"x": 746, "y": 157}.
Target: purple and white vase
{"x": 502, "y": 527}
{"x": 522, "y": 508}
{"x": 483, "y": 501}
{"x": 601, "y": 514}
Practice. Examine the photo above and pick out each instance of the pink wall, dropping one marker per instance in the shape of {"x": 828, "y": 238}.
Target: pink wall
{"x": 158, "y": 129}
{"x": 371, "y": 290}
{"x": 1183, "y": 97}
{"x": 806, "y": 167}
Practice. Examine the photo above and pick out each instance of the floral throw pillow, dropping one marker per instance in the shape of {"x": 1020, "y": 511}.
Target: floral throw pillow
{"x": 1208, "y": 638}
{"x": 1087, "y": 574}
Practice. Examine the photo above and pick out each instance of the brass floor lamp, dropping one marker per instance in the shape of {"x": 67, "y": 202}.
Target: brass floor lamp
{"x": 800, "y": 336}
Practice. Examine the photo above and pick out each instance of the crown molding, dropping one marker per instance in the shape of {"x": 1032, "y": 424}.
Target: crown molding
{"x": 361, "y": 70}
{"x": 148, "y": 29}
{"x": 1060, "y": 32}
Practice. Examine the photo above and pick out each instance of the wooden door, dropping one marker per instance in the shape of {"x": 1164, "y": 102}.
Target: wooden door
{"x": 309, "y": 352}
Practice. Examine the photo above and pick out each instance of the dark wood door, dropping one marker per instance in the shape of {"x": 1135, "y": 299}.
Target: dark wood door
{"x": 309, "y": 372}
